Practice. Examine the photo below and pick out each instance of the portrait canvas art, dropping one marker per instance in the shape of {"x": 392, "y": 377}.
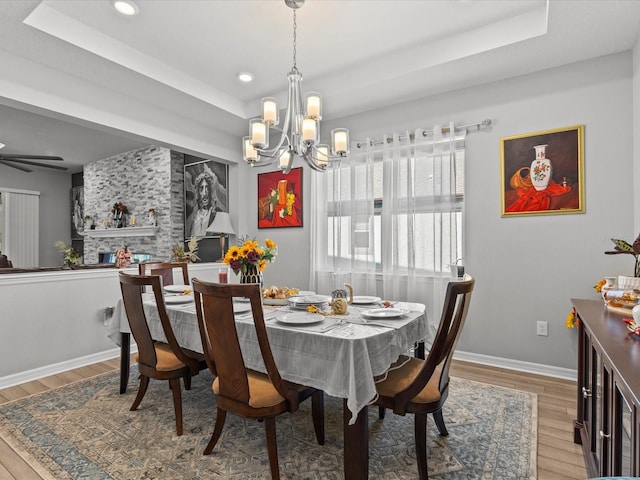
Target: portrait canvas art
{"x": 280, "y": 199}
{"x": 77, "y": 212}
{"x": 543, "y": 172}
{"x": 205, "y": 194}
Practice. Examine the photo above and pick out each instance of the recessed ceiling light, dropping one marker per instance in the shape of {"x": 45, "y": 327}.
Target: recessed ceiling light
{"x": 2, "y": 145}
{"x": 125, "y": 7}
{"x": 245, "y": 77}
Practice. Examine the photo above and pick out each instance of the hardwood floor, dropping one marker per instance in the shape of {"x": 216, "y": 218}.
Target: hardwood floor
{"x": 558, "y": 457}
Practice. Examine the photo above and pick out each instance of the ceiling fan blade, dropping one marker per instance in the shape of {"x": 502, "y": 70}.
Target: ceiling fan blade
{"x": 18, "y": 167}
{"x": 4, "y": 159}
{"x": 9, "y": 156}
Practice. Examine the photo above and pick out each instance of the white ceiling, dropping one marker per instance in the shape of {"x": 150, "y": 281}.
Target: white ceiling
{"x": 182, "y": 56}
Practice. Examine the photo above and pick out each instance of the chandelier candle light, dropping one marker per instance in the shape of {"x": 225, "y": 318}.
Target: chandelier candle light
{"x": 300, "y": 130}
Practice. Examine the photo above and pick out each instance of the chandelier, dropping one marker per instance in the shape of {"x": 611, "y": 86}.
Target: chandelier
{"x": 300, "y": 131}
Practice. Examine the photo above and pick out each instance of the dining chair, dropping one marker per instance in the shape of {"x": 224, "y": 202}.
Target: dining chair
{"x": 239, "y": 390}
{"x": 421, "y": 386}
{"x": 157, "y": 360}
{"x": 5, "y": 262}
{"x": 165, "y": 270}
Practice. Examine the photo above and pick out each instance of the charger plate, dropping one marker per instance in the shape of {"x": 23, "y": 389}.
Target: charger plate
{"x": 299, "y": 318}
{"x": 172, "y": 299}
{"x": 385, "y": 313}
{"x": 364, "y": 300}
{"x": 176, "y": 288}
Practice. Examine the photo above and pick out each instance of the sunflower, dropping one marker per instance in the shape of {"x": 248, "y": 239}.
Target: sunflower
{"x": 244, "y": 250}
{"x": 232, "y": 254}
{"x": 248, "y": 255}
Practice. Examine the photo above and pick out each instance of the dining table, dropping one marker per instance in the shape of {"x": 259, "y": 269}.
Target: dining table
{"x": 339, "y": 354}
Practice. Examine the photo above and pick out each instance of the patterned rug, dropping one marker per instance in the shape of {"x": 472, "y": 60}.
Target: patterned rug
{"x": 86, "y": 431}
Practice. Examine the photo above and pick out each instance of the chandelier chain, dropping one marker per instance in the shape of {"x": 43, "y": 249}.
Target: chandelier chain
{"x": 295, "y": 26}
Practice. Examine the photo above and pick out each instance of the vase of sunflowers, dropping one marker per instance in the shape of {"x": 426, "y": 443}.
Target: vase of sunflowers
{"x": 249, "y": 259}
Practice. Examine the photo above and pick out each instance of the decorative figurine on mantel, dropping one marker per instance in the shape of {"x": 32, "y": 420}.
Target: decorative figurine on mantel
{"x": 152, "y": 217}
{"x": 119, "y": 212}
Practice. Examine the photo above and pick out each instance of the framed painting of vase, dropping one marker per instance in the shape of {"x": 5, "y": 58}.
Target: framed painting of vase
{"x": 542, "y": 173}
{"x": 280, "y": 199}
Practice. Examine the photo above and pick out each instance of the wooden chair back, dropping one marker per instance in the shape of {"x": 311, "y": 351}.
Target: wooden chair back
{"x": 454, "y": 314}
{"x": 132, "y": 287}
{"x": 5, "y": 262}
{"x": 214, "y": 307}
{"x": 165, "y": 270}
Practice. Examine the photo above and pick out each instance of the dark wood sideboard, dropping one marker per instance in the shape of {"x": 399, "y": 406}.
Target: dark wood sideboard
{"x": 608, "y": 396}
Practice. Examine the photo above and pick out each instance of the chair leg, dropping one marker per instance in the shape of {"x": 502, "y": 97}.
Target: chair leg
{"x": 421, "y": 445}
{"x": 177, "y": 403}
{"x": 272, "y": 446}
{"x": 142, "y": 389}
{"x": 317, "y": 413}
{"x": 381, "y": 412}
{"x": 220, "y": 418}
{"x": 439, "y": 419}
{"x": 187, "y": 381}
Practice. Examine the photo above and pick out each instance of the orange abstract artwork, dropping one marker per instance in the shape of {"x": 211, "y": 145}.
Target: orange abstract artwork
{"x": 280, "y": 199}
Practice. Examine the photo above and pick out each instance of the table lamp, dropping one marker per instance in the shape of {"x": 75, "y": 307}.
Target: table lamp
{"x": 221, "y": 224}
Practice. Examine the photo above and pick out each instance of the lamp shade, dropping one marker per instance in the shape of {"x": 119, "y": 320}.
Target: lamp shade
{"x": 221, "y": 224}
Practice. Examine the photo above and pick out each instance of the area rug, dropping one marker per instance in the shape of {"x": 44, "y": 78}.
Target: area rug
{"x": 86, "y": 431}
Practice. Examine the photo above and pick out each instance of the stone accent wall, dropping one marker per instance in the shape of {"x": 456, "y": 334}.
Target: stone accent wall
{"x": 150, "y": 177}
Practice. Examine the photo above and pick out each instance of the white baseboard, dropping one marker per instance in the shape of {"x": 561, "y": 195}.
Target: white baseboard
{"x": 41, "y": 372}
{"x": 536, "y": 368}
{"x": 518, "y": 365}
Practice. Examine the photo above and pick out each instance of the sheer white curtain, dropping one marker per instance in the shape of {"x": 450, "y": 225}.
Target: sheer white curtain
{"x": 388, "y": 219}
{"x": 21, "y": 227}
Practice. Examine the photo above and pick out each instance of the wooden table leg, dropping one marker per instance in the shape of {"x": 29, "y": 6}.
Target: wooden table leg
{"x": 356, "y": 444}
{"x": 418, "y": 351}
{"x": 125, "y": 353}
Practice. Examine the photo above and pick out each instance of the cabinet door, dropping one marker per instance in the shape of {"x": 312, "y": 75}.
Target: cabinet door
{"x": 623, "y": 433}
{"x": 585, "y": 393}
{"x": 599, "y": 434}
{"x": 593, "y": 404}
{"x": 602, "y": 430}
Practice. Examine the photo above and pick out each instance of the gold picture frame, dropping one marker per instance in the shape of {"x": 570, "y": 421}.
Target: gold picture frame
{"x": 542, "y": 173}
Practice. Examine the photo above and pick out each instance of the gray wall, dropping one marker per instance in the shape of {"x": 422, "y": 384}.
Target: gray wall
{"x": 527, "y": 268}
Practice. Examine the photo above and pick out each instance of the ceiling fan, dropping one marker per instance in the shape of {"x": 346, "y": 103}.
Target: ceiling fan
{"x": 19, "y": 161}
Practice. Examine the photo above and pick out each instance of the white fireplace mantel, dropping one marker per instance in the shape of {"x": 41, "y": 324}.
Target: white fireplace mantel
{"x": 143, "y": 231}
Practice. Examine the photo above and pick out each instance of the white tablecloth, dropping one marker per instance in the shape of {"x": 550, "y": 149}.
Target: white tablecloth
{"x": 341, "y": 361}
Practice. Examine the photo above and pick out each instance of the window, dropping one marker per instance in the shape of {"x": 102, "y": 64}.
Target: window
{"x": 421, "y": 213}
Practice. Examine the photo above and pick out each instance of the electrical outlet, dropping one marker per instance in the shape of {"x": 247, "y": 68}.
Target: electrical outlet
{"x": 542, "y": 328}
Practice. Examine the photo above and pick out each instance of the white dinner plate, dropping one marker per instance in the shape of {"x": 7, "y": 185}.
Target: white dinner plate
{"x": 299, "y": 318}
{"x": 363, "y": 300}
{"x": 241, "y": 307}
{"x": 385, "y": 312}
{"x": 176, "y": 288}
{"x": 170, "y": 299}
{"x": 275, "y": 301}
{"x": 303, "y": 301}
